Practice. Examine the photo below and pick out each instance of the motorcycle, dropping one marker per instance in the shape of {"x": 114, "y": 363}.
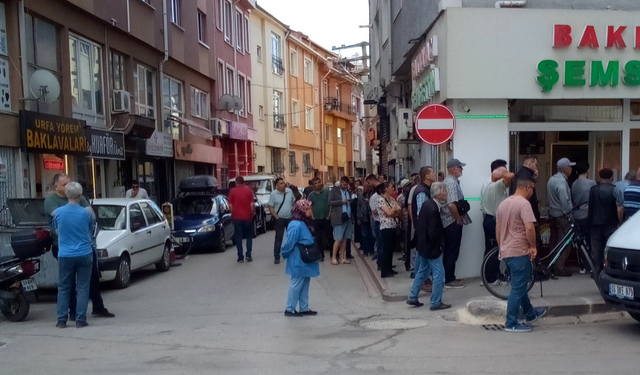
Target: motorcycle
{"x": 16, "y": 283}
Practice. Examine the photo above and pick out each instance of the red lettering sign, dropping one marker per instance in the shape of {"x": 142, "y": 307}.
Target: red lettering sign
{"x": 614, "y": 37}
{"x": 637, "y": 41}
{"x": 561, "y": 36}
{"x": 589, "y": 38}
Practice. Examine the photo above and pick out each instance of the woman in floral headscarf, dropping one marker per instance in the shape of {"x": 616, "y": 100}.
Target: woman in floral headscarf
{"x": 301, "y": 273}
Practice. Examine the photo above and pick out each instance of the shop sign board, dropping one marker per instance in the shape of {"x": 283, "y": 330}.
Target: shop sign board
{"x": 160, "y": 144}
{"x": 238, "y": 130}
{"x": 105, "y": 144}
{"x": 424, "y": 73}
{"x": 435, "y": 124}
{"x": 45, "y": 133}
{"x": 197, "y": 152}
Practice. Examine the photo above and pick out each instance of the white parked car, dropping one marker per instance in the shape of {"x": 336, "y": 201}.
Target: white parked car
{"x": 133, "y": 234}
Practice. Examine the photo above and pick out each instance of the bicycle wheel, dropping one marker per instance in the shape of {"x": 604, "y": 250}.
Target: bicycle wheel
{"x": 497, "y": 271}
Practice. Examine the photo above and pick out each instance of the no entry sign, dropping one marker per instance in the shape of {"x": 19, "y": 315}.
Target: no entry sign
{"x": 435, "y": 124}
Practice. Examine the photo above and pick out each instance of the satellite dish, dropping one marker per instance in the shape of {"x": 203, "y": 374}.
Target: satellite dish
{"x": 237, "y": 103}
{"x": 226, "y": 102}
{"x": 44, "y": 86}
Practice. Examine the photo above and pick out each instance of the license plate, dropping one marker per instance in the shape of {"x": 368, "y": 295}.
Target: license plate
{"x": 183, "y": 239}
{"x": 621, "y": 291}
{"x": 29, "y": 285}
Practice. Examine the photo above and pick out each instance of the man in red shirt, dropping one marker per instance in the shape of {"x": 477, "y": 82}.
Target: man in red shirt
{"x": 242, "y": 208}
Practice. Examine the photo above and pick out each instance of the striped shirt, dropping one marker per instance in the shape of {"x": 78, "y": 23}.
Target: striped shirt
{"x": 632, "y": 199}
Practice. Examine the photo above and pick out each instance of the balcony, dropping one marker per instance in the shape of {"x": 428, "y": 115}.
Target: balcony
{"x": 276, "y": 65}
{"x": 333, "y": 106}
{"x": 278, "y": 122}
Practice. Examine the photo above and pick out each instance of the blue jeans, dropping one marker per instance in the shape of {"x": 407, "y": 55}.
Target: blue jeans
{"x": 368, "y": 240}
{"x": 243, "y": 229}
{"x": 520, "y": 270}
{"x": 298, "y": 294}
{"x": 379, "y": 245}
{"x": 424, "y": 267}
{"x": 72, "y": 269}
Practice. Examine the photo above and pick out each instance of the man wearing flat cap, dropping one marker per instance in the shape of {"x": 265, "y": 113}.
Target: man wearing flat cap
{"x": 559, "y": 197}
{"x": 453, "y": 221}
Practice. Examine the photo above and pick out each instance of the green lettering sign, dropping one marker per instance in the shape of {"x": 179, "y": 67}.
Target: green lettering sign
{"x": 574, "y": 73}
{"x": 548, "y": 74}
{"x": 632, "y": 73}
{"x": 604, "y": 78}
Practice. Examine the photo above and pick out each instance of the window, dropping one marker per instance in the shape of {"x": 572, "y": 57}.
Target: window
{"x": 277, "y": 165}
{"x": 308, "y": 118}
{"x": 276, "y": 60}
{"x": 293, "y": 166}
{"x": 175, "y": 11}
{"x": 145, "y": 92}
{"x": 86, "y": 76}
{"x": 150, "y": 214}
{"x": 242, "y": 93}
{"x": 246, "y": 34}
{"x": 43, "y": 52}
{"x": 220, "y": 83}
{"x": 249, "y": 102}
{"x": 340, "y": 137}
{"x": 199, "y": 103}
{"x": 308, "y": 71}
{"x": 220, "y": 12}
{"x": 118, "y": 70}
{"x": 340, "y": 172}
{"x": 202, "y": 27}
{"x": 239, "y": 31}
{"x": 338, "y": 93}
{"x": 356, "y": 142}
{"x": 230, "y": 81}
{"x": 172, "y": 96}
{"x": 327, "y": 133}
{"x": 228, "y": 27}
{"x": 259, "y": 53}
{"x": 261, "y": 112}
{"x": 307, "y": 168}
{"x": 295, "y": 113}
{"x": 293, "y": 62}
{"x": 136, "y": 218}
{"x": 278, "y": 117}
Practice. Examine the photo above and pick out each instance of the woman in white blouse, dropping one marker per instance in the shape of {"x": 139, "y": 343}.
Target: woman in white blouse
{"x": 389, "y": 211}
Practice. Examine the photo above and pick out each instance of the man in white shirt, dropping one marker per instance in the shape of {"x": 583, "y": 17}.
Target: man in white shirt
{"x": 136, "y": 192}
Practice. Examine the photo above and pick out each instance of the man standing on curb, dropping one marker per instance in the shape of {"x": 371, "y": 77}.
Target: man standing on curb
{"x": 51, "y": 203}
{"x": 420, "y": 195}
{"x": 559, "y": 197}
{"x": 341, "y": 219}
{"x": 319, "y": 199}
{"x": 280, "y": 205}
{"x": 580, "y": 198}
{"x": 429, "y": 246}
{"x": 604, "y": 216}
{"x": 242, "y": 209}
{"x": 453, "y": 220}
{"x": 516, "y": 234}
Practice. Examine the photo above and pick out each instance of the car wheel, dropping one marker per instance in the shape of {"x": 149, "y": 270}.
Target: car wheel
{"x": 263, "y": 224}
{"x": 635, "y": 316}
{"x": 123, "y": 274}
{"x": 221, "y": 246}
{"x": 165, "y": 262}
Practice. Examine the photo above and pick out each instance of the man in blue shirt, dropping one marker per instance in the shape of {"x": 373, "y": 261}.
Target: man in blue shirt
{"x": 74, "y": 225}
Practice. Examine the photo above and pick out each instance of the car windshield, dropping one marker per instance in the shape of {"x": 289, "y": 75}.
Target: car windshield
{"x": 110, "y": 217}
{"x": 194, "y": 205}
{"x": 259, "y": 186}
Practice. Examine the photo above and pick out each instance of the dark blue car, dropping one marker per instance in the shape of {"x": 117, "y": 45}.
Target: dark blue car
{"x": 203, "y": 220}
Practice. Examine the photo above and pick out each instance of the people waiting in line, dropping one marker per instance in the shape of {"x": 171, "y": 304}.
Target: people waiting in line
{"x": 280, "y": 205}
{"x": 341, "y": 220}
{"x": 389, "y": 212}
{"x": 559, "y": 197}
{"x": 580, "y": 200}
{"x": 604, "y": 215}
{"x": 632, "y": 198}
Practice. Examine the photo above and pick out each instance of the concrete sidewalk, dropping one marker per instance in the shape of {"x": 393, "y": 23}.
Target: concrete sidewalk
{"x": 570, "y": 296}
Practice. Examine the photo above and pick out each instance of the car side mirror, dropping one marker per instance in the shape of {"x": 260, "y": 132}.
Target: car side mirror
{"x": 135, "y": 227}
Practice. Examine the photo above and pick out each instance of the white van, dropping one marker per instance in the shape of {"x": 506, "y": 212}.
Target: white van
{"x": 262, "y": 185}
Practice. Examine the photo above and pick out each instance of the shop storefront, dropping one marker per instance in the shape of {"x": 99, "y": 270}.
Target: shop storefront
{"x": 238, "y": 151}
{"x": 565, "y": 88}
{"x": 195, "y": 159}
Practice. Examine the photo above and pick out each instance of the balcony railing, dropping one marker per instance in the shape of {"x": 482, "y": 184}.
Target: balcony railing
{"x": 278, "y": 122}
{"x": 276, "y": 65}
{"x": 333, "y": 104}
{"x": 352, "y": 110}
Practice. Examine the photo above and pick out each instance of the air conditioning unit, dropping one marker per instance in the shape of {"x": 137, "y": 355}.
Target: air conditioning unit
{"x": 121, "y": 101}
{"x": 404, "y": 120}
{"x": 215, "y": 124}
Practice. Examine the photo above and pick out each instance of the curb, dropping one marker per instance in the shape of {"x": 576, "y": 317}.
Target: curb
{"x": 491, "y": 308}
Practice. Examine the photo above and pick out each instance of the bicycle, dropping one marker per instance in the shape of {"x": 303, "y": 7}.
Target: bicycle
{"x": 501, "y": 287}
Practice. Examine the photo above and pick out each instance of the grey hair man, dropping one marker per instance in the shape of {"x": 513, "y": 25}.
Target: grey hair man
{"x": 559, "y": 197}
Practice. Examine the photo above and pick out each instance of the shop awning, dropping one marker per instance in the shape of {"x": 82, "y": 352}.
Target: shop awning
{"x": 194, "y": 128}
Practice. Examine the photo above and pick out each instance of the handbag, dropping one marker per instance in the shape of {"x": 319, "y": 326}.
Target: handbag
{"x": 463, "y": 207}
{"x": 309, "y": 253}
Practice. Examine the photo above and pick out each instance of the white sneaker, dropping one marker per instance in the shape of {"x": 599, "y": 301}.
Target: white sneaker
{"x": 583, "y": 271}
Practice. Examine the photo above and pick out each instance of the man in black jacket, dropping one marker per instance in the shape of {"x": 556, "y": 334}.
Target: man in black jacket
{"x": 604, "y": 215}
{"x": 429, "y": 245}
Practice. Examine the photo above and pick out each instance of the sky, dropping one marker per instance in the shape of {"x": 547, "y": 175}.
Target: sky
{"x": 327, "y": 22}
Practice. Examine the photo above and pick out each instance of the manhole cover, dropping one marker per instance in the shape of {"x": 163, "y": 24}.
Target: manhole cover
{"x": 394, "y": 324}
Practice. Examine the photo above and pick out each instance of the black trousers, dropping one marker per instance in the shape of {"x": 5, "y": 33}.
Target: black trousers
{"x": 492, "y": 270}
{"x": 94, "y": 289}
{"x": 389, "y": 244}
{"x": 599, "y": 236}
{"x": 452, "y": 240}
{"x": 322, "y": 232}
{"x": 280, "y": 226}
{"x": 559, "y": 228}
{"x": 583, "y": 224}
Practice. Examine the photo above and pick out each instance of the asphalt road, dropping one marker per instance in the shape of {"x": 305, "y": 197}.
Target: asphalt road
{"x": 214, "y": 316}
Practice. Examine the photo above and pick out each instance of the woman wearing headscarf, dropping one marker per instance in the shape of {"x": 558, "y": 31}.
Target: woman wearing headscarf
{"x": 298, "y": 233}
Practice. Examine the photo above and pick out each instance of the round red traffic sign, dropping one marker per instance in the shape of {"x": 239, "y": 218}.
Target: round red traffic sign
{"x": 435, "y": 124}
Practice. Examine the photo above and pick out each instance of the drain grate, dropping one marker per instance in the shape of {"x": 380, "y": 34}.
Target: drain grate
{"x": 493, "y": 327}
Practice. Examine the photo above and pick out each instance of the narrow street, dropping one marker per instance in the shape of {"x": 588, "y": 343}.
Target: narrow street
{"x": 214, "y": 316}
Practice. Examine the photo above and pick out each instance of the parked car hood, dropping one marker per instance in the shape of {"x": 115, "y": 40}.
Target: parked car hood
{"x": 194, "y": 221}
{"x": 626, "y": 237}
{"x": 107, "y": 238}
